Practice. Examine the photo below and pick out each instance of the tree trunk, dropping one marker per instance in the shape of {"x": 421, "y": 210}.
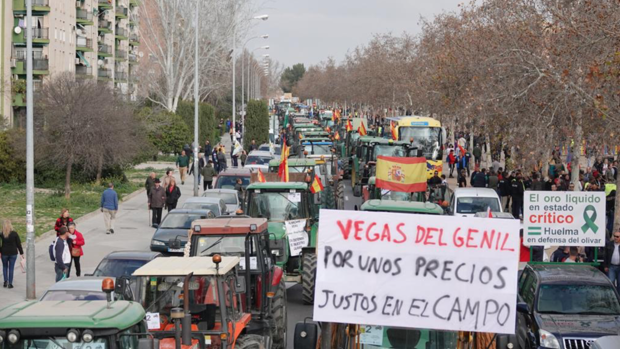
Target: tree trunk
{"x": 68, "y": 177}
{"x": 99, "y": 169}
{"x": 489, "y": 152}
{"x": 574, "y": 173}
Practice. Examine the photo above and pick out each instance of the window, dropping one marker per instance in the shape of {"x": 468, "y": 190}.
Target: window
{"x": 424, "y": 138}
{"x": 275, "y": 207}
{"x": 467, "y": 205}
{"x": 578, "y": 299}
{"x": 179, "y": 221}
{"x": 527, "y": 287}
{"x": 229, "y": 198}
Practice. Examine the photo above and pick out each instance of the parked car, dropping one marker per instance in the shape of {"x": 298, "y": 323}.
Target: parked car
{"x": 171, "y": 235}
{"x": 466, "y": 202}
{"x": 230, "y": 197}
{"x": 228, "y": 178}
{"x": 258, "y": 159}
{"x": 76, "y": 289}
{"x": 122, "y": 263}
{"x": 277, "y": 149}
{"x": 565, "y": 306}
{"x": 213, "y": 204}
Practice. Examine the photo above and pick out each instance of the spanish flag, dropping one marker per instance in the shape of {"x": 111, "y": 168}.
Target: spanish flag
{"x": 337, "y": 136}
{"x": 393, "y": 131}
{"x": 328, "y": 130}
{"x": 401, "y": 174}
{"x": 337, "y": 113}
{"x": 362, "y": 129}
{"x": 334, "y": 116}
{"x": 349, "y": 126}
{"x": 261, "y": 177}
{"x": 283, "y": 168}
{"x": 316, "y": 186}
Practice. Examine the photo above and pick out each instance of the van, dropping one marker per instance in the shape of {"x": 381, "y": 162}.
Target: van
{"x": 466, "y": 202}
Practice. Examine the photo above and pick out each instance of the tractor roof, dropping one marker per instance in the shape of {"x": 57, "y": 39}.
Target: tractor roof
{"x": 233, "y": 226}
{"x": 278, "y": 185}
{"x": 401, "y": 206}
{"x": 76, "y": 314}
{"x": 181, "y": 266}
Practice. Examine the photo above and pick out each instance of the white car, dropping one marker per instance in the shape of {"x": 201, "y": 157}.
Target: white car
{"x": 466, "y": 202}
{"x": 258, "y": 159}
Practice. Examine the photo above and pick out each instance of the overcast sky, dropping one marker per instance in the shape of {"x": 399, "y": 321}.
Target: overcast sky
{"x": 309, "y": 31}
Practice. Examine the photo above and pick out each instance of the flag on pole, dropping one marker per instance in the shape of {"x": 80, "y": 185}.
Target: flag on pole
{"x": 362, "y": 129}
{"x": 283, "y": 168}
{"x": 393, "y": 131}
{"x": 489, "y": 213}
{"x": 334, "y": 116}
{"x": 349, "y": 126}
{"x": 337, "y": 136}
{"x": 401, "y": 174}
{"x": 261, "y": 177}
{"x": 316, "y": 186}
{"x": 328, "y": 129}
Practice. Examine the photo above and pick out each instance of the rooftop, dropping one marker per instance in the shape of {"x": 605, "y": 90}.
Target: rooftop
{"x": 230, "y": 226}
{"x": 181, "y": 266}
{"x": 569, "y": 273}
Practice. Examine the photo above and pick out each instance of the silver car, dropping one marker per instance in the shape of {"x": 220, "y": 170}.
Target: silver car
{"x": 230, "y": 197}
{"x": 213, "y": 204}
{"x": 76, "y": 289}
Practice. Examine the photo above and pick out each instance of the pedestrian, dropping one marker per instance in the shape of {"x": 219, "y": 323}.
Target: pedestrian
{"x": 496, "y": 166}
{"x": 560, "y": 254}
{"x": 493, "y": 181}
{"x": 477, "y": 154}
{"x": 11, "y": 245}
{"x": 461, "y": 179}
{"x": 62, "y": 254}
{"x": 221, "y": 159}
{"x": 243, "y": 157}
{"x": 451, "y": 162}
{"x": 239, "y": 188}
{"x": 208, "y": 149}
{"x": 238, "y": 136}
{"x": 537, "y": 184}
{"x": 156, "y": 202}
{"x": 253, "y": 145}
{"x": 612, "y": 259}
{"x": 504, "y": 190}
{"x": 232, "y": 136}
{"x": 479, "y": 179}
{"x": 517, "y": 189}
{"x": 150, "y": 183}
{"x": 573, "y": 255}
{"x": 167, "y": 178}
{"x": 201, "y": 164}
{"x": 182, "y": 164}
{"x": 77, "y": 240}
{"x": 208, "y": 172}
{"x": 109, "y": 207}
{"x": 216, "y": 165}
{"x": 233, "y": 155}
{"x": 63, "y": 220}
{"x": 173, "y": 193}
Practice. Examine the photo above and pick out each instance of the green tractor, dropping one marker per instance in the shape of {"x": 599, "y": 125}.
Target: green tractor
{"x": 286, "y": 202}
{"x": 328, "y": 168}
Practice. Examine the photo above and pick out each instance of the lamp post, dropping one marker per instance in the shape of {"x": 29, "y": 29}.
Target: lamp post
{"x": 264, "y": 36}
{"x": 249, "y": 62}
{"x": 234, "y": 84}
{"x": 196, "y": 170}
{"x": 30, "y": 233}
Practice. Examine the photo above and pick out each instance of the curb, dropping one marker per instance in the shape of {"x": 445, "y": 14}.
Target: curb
{"x": 52, "y": 232}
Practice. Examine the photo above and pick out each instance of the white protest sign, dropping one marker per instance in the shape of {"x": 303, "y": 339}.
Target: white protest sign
{"x": 152, "y": 321}
{"x": 297, "y": 237}
{"x": 564, "y": 218}
{"x": 421, "y": 271}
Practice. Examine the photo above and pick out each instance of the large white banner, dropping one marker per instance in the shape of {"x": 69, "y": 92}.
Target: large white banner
{"x": 422, "y": 271}
{"x": 564, "y": 218}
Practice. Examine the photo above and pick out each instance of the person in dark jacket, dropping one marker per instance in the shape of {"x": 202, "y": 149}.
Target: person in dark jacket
{"x": 208, "y": 172}
{"x": 611, "y": 262}
{"x": 504, "y": 190}
{"x": 493, "y": 181}
{"x": 253, "y": 145}
{"x": 517, "y": 189}
{"x": 560, "y": 255}
{"x": 479, "y": 180}
{"x": 462, "y": 180}
{"x": 208, "y": 149}
{"x": 109, "y": 207}
{"x": 150, "y": 183}
{"x": 62, "y": 254}
{"x": 537, "y": 184}
{"x": 63, "y": 220}
{"x": 182, "y": 164}
{"x": 221, "y": 159}
{"x": 157, "y": 200}
{"x": 11, "y": 245}
{"x": 435, "y": 181}
{"x": 173, "y": 193}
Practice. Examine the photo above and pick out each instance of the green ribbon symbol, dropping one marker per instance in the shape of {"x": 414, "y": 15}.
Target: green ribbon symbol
{"x": 590, "y": 218}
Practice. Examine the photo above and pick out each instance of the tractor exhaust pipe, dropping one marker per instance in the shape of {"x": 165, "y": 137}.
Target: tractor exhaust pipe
{"x": 186, "y": 324}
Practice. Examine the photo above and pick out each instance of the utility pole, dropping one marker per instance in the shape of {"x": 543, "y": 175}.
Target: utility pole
{"x": 196, "y": 105}
{"x": 31, "y": 292}
{"x": 234, "y": 104}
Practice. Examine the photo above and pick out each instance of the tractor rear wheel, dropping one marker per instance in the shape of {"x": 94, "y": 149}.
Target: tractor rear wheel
{"x": 327, "y": 198}
{"x": 278, "y": 308}
{"x": 340, "y": 196}
{"x": 308, "y": 277}
{"x": 251, "y": 341}
{"x": 346, "y": 169}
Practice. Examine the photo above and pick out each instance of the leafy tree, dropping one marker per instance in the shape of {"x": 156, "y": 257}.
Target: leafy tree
{"x": 166, "y": 131}
{"x": 256, "y": 123}
{"x": 291, "y": 76}
{"x": 207, "y": 126}
{"x": 11, "y": 162}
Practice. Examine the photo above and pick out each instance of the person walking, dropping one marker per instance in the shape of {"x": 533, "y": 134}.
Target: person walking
{"x": 239, "y": 189}
{"x": 477, "y": 152}
{"x": 63, "y": 220}
{"x": 167, "y": 178}
{"x": 109, "y": 207}
{"x": 208, "y": 172}
{"x": 221, "y": 159}
{"x": 182, "y": 164}
{"x": 611, "y": 262}
{"x": 462, "y": 179}
{"x": 157, "y": 200}
{"x": 62, "y": 254}
{"x": 253, "y": 145}
{"x": 173, "y": 193}
{"x": 11, "y": 245}
{"x": 517, "y": 189}
{"x": 208, "y": 149}
{"x": 150, "y": 183}
{"x": 77, "y": 241}
{"x": 243, "y": 157}
{"x": 451, "y": 162}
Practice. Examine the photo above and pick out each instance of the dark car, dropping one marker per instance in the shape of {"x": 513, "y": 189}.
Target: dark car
{"x": 565, "y": 306}
{"x": 123, "y": 263}
{"x": 171, "y": 235}
{"x": 228, "y": 178}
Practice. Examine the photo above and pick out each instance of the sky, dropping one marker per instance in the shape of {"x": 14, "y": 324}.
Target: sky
{"x": 309, "y": 31}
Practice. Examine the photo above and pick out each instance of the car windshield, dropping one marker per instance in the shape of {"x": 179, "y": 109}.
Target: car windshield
{"x": 424, "y": 138}
{"x": 578, "y": 299}
{"x": 202, "y": 206}
{"x": 395, "y": 195}
{"x": 209, "y": 245}
{"x": 179, "y": 220}
{"x": 276, "y": 150}
{"x": 468, "y": 205}
{"x": 317, "y": 149}
{"x": 60, "y": 342}
{"x": 73, "y": 295}
{"x": 229, "y": 198}
{"x": 118, "y": 267}
{"x": 228, "y": 182}
{"x": 258, "y": 160}
{"x": 276, "y": 206}
{"x": 388, "y": 150}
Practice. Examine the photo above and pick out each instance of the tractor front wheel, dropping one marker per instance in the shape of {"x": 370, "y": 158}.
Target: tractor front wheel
{"x": 278, "y": 309}
{"x": 308, "y": 277}
{"x": 340, "y": 196}
{"x": 251, "y": 341}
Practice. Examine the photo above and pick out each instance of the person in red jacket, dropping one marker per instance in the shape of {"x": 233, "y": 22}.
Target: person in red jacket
{"x": 77, "y": 242}
{"x": 451, "y": 161}
{"x": 63, "y": 220}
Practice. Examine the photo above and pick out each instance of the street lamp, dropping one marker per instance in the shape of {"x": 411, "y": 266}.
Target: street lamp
{"x": 249, "y": 61}
{"x": 263, "y": 17}
{"x": 264, "y": 36}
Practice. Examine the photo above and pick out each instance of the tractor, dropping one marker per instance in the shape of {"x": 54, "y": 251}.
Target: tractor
{"x": 248, "y": 239}
{"x": 329, "y": 171}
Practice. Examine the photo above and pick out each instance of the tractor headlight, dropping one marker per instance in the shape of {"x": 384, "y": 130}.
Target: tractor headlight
{"x": 2, "y": 336}
{"x": 13, "y": 336}
{"x": 88, "y": 336}
{"x": 73, "y": 335}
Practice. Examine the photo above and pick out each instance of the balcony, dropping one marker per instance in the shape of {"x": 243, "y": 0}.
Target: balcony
{"x": 120, "y": 76}
{"x": 133, "y": 59}
{"x": 104, "y": 26}
{"x": 38, "y": 6}
{"x": 83, "y": 71}
{"x": 83, "y": 44}
{"x": 134, "y": 40}
{"x": 84, "y": 17}
{"x": 104, "y": 74}
{"x": 133, "y": 3}
{"x": 121, "y": 55}
{"x": 40, "y": 36}
{"x": 121, "y": 12}
{"x": 121, "y": 33}
{"x": 104, "y": 50}
{"x": 105, "y": 4}
{"x": 40, "y": 63}
{"x": 134, "y": 19}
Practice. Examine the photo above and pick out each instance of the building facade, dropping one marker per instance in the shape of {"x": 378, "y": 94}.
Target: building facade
{"x": 94, "y": 39}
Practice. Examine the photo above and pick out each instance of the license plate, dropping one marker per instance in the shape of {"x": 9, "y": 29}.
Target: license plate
{"x": 175, "y": 250}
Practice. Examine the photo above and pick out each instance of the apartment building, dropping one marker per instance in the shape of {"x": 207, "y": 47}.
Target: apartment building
{"x": 95, "y": 39}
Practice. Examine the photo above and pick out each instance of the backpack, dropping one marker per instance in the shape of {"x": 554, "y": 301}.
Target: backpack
{"x": 52, "y": 250}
